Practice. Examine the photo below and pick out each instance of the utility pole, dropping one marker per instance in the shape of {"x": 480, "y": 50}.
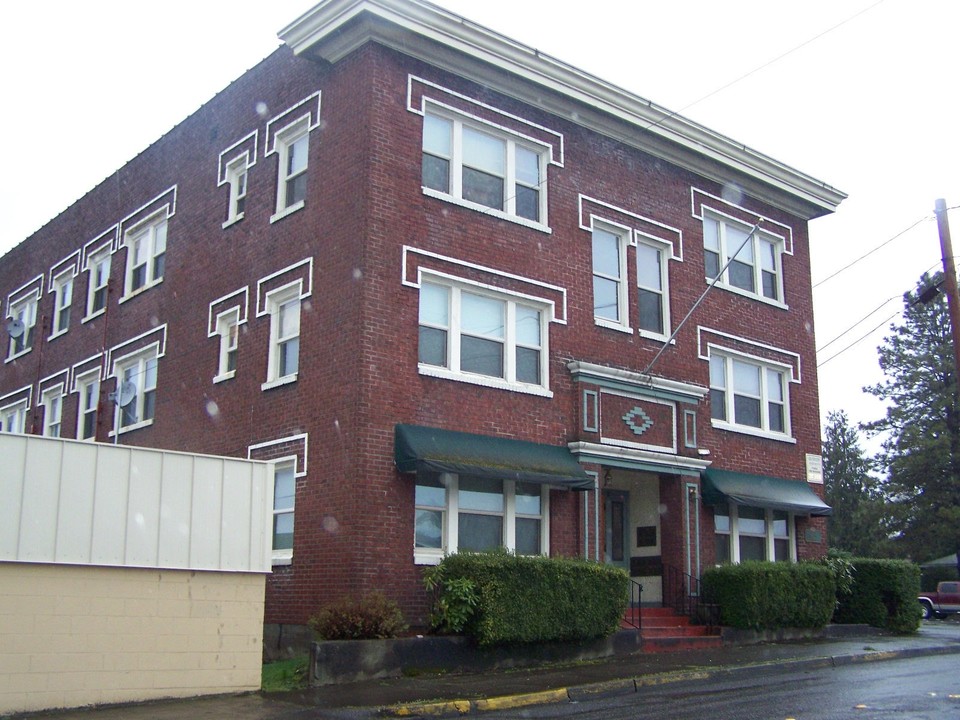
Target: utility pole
{"x": 953, "y": 307}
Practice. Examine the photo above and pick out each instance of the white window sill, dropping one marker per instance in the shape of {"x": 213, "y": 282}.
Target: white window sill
{"x": 747, "y": 294}
{"x": 286, "y": 380}
{"x": 130, "y": 428}
{"x": 226, "y": 376}
{"x": 484, "y": 380}
{"x": 612, "y": 325}
{"x": 655, "y": 336}
{"x": 93, "y": 315}
{"x": 422, "y": 556}
{"x": 282, "y": 560}
{"x": 57, "y": 334}
{"x": 232, "y": 221}
{"x": 493, "y": 212}
{"x": 281, "y": 214}
{"x": 142, "y": 289}
{"x": 18, "y": 355}
{"x": 756, "y": 432}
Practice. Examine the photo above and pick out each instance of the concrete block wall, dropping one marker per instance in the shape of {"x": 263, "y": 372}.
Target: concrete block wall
{"x": 72, "y": 636}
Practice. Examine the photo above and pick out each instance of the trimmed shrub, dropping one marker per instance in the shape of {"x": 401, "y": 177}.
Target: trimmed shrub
{"x": 519, "y": 599}
{"x": 884, "y": 595}
{"x": 767, "y": 595}
{"x": 372, "y": 617}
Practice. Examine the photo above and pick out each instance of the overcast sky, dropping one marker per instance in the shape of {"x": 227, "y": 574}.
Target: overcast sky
{"x": 858, "y": 93}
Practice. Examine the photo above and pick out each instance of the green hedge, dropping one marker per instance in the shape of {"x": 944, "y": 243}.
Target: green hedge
{"x": 767, "y": 595}
{"x": 931, "y": 577}
{"x": 884, "y": 594}
{"x": 504, "y": 598}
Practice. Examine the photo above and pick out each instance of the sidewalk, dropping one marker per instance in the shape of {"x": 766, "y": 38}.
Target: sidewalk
{"x": 460, "y": 694}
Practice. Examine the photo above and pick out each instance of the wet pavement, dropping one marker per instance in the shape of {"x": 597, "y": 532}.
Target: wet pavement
{"x": 451, "y": 695}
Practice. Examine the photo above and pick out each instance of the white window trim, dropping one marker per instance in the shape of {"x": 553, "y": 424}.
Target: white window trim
{"x": 665, "y": 252}
{"x": 285, "y": 138}
{"x": 236, "y": 169}
{"x": 146, "y": 229}
{"x": 623, "y": 300}
{"x": 284, "y": 556}
{"x": 511, "y": 299}
{"x": 450, "y": 534}
{"x": 28, "y": 303}
{"x": 733, "y": 537}
{"x": 225, "y": 320}
{"x": 17, "y": 411}
{"x": 81, "y": 383}
{"x": 47, "y": 399}
{"x": 763, "y": 432}
{"x": 274, "y": 299}
{"x": 723, "y": 221}
{"x": 103, "y": 254}
{"x": 139, "y": 359}
{"x": 512, "y": 139}
{"x": 60, "y": 282}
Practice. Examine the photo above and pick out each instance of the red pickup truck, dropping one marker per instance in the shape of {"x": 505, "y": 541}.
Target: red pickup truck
{"x": 945, "y": 601}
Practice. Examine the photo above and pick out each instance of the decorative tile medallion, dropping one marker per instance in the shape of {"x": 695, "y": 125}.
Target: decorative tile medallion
{"x": 638, "y": 421}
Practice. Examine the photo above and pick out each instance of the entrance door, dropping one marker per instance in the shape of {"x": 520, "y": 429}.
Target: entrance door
{"x": 616, "y": 507}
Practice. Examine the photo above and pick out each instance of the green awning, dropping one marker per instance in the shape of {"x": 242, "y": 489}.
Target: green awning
{"x": 761, "y": 491}
{"x": 419, "y": 449}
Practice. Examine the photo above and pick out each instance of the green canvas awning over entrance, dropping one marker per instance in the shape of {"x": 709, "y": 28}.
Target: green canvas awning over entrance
{"x": 419, "y": 449}
{"x": 761, "y": 491}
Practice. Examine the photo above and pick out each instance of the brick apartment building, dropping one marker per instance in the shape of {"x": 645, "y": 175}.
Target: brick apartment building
{"x": 434, "y": 275}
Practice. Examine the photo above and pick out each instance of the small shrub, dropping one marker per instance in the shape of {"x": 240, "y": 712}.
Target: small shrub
{"x": 373, "y": 617}
{"x": 455, "y": 600}
{"x": 884, "y": 595}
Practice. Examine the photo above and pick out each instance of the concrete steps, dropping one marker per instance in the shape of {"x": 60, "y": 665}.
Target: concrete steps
{"x": 663, "y": 630}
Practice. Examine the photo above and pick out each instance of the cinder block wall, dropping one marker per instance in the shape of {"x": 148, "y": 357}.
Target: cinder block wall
{"x": 74, "y": 635}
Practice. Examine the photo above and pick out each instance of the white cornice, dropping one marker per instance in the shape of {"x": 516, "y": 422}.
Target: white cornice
{"x": 602, "y": 374}
{"x": 641, "y": 459}
{"x": 335, "y": 28}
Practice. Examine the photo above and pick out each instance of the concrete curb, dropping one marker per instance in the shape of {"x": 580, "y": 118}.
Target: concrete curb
{"x": 627, "y": 686}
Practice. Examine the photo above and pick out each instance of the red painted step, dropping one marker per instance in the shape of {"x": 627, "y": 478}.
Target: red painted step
{"x": 663, "y": 630}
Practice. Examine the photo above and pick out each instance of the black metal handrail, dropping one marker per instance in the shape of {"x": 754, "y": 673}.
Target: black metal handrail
{"x": 630, "y": 617}
{"x": 682, "y": 592}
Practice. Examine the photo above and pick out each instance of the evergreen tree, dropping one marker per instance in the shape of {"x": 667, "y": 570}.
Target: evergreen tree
{"x": 922, "y": 427}
{"x": 858, "y": 524}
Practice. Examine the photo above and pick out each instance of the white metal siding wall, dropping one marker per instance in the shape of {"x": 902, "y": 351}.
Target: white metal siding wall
{"x": 64, "y": 501}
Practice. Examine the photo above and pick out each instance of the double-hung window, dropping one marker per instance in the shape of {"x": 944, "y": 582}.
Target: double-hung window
{"x": 284, "y": 498}
{"x": 293, "y": 146}
{"x": 88, "y": 389}
{"x": 483, "y": 167}
{"x": 99, "y": 269}
{"x": 284, "y": 353}
{"x": 146, "y": 252}
{"x": 137, "y": 391}
{"x": 753, "y": 533}
{"x": 13, "y": 418}
{"x": 23, "y": 315}
{"x": 652, "y": 295}
{"x": 463, "y": 513}
{"x": 754, "y": 260}
{"x": 609, "y": 279}
{"x": 748, "y": 395}
{"x": 52, "y": 411}
{"x": 228, "y": 328}
{"x": 62, "y": 300}
{"x": 482, "y": 337}
{"x": 237, "y": 182}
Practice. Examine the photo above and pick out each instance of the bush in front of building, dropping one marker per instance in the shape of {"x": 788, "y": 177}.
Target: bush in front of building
{"x": 771, "y": 595}
{"x": 884, "y": 595}
{"x": 370, "y": 618}
{"x": 498, "y": 598}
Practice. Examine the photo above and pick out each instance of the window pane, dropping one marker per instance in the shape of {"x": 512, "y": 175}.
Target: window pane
{"x": 479, "y": 532}
{"x": 746, "y": 410}
{"x": 752, "y": 548}
{"x": 437, "y": 133}
{"x": 289, "y": 320}
{"x": 528, "y": 498}
{"x": 711, "y": 235}
{"x": 651, "y": 311}
{"x": 752, "y": 520}
{"x": 484, "y": 152}
{"x": 741, "y": 275}
{"x": 296, "y": 190}
{"x": 483, "y": 188}
{"x": 774, "y": 385}
{"x": 746, "y": 378}
{"x": 430, "y": 492}
{"x": 433, "y": 346}
{"x": 481, "y": 494}
{"x": 711, "y": 261}
{"x": 721, "y": 518}
{"x": 528, "y": 326}
{"x": 481, "y": 315}
{"x": 484, "y": 357}
{"x": 283, "y": 531}
{"x": 723, "y": 549}
{"x": 780, "y": 523}
{"x": 718, "y": 405}
{"x": 284, "y": 487}
{"x": 434, "y": 307}
{"x": 781, "y": 550}
{"x": 528, "y": 366}
{"x": 769, "y": 285}
{"x": 718, "y": 371}
{"x": 527, "y": 203}
{"x": 150, "y": 373}
{"x": 775, "y": 411}
{"x": 768, "y": 256}
{"x": 606, "y": 253}
{"x": 436, "y": 173}
{"x": 605, "y": 299}
{"x": 648, "y": 267}
{"x": 160, "y": 239}
{"x": 429, "y": 529}
{"x": 528, "y": 166}
{"x": 527, "y": 541}
{"x": 289, "y": 357}
{"x": 297, "y": 156}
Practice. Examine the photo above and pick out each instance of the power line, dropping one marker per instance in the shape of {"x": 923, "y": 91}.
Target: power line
{"x": 858, "y": 322}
